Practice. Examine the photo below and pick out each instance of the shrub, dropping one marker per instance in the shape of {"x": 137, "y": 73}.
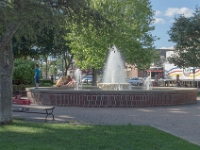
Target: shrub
{"x": 47, "y": 84}
{"x": 21, "y": 87}
{"x": 45, "y": 81}
{"x": 23, "y": 72}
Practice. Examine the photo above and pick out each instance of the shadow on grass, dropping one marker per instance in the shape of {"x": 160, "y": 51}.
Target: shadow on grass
{"x": 53, "y": 136}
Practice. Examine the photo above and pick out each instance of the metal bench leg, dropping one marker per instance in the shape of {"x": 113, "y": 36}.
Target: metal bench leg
{"x": 49, "y": 113}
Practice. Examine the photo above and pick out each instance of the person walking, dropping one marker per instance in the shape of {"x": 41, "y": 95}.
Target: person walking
{"x": 37, "y": 76}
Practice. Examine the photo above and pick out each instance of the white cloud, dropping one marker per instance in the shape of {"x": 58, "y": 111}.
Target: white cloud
{"x": 159, "y": 21}
{"x": 157, "y": 13}
{"x": 167, "y": 47}
{"x": 170, "y": 12}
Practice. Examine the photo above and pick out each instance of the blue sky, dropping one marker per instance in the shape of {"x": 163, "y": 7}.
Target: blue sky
{"x": 165, "y": 12}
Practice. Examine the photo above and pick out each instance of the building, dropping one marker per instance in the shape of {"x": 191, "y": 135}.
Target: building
{"x": 154, "y": 70}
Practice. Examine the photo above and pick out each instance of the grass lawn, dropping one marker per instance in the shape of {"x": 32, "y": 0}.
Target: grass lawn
{"x": 23, "y": 135}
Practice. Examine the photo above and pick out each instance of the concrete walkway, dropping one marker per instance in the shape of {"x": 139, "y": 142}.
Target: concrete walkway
{"x": 182, "y": 121}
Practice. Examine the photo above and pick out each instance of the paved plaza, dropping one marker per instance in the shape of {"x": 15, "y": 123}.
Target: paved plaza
{"x": 182, "y": 121}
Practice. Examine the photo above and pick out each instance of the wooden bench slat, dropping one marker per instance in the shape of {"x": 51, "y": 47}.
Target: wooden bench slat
{"x": 48, "y": 109}
{"x": 33, "y": 106}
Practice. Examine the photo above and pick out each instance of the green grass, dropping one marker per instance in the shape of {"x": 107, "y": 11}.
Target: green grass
{"x": 22, "y": 135}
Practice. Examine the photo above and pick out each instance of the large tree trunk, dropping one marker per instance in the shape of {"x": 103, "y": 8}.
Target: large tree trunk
{"x": 6, "y": 68}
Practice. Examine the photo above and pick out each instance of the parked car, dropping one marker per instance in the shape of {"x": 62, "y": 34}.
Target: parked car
{"x": 127, "y": 79}
{"x": 136, "y": 81}
{"x": 87, "y": 79}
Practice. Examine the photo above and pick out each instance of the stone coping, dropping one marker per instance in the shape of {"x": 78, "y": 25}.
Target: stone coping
{"x": 96, "y": 90}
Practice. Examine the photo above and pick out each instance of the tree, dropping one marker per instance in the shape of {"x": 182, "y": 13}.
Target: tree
{"x": 14, "y": 15}
{"x": 49, "y": 42}
{"x": 20, "y": 15}
{"x": 131, "y": 30}
{"x": 22, "y": 47}
{"x": 88, "y": 49}
{"x": 126, "y": 24}
{"x": 63, "y": 50}
{"x": 185, "y": 34}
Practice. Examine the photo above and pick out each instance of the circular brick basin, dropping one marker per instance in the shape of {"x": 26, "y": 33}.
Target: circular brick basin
{"x": 160, "y": 96}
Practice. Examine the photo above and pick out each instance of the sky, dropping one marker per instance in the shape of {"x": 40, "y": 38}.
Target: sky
{"x": 165, "y": 12}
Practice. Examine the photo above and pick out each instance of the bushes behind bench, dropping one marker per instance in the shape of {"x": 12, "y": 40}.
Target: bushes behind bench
{"x": 45, "y": 82}
{"x": 20, "y": 89}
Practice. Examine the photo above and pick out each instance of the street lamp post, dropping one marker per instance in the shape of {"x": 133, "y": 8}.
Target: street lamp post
{"x": 193, "y": 77}
{"x": 41, "y": 68}
{"x": 62, "y": 67}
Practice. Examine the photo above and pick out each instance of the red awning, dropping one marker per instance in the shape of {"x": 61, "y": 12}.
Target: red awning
{"x": 154, "y": 70}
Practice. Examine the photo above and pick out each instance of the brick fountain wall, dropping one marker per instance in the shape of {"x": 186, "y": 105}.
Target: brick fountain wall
{"x": 98, "y": 98}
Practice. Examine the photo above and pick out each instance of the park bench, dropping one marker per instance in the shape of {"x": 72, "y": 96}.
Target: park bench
{"x": 48, "y": 110}
{"x": 23, "y": 105}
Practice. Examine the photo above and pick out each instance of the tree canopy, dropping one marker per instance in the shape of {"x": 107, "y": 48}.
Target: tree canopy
{"x": 185, "y": 34}
{"x": 127, "y": 25}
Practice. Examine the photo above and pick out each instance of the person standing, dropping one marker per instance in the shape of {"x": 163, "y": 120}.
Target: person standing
{"x": 37, "y": 76}
{"x": 178, "y": 81}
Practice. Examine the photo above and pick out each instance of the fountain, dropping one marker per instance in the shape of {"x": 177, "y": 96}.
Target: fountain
{"x": 114, "y": 74}
{"x": 148, "y": 83}
{"x": 78, "y": 78}
{"x": 113, "y": 92}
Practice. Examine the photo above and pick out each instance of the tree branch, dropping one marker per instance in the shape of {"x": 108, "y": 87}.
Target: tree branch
{"x": 8, "y": 35}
